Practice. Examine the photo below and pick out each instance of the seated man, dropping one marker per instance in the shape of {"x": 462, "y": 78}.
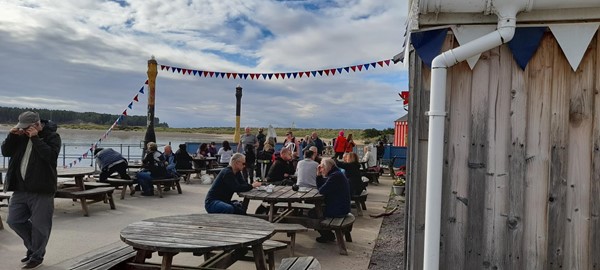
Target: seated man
{"x": 335, "y": 188}
{"x": 229, "y": 181}
{"x": 183, "y": 160}
{"x": 282, "y": 169}
{"x": 110, "y": 161}
{"x": 153, "y": 168}
{"x": 307, "y": 170}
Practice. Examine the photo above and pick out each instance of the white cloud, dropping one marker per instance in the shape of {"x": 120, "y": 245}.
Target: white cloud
{"x": 87, "y": 55}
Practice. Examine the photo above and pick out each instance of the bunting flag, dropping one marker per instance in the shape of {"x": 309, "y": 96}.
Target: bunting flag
{"x": 467, "y": 33}
{"x": 277, "y": 75}
{"x": 574, "y": 39}
{"x": 105, "y": 135}
{"x": 525, "y": 43}
{"x": 429, "y": 43}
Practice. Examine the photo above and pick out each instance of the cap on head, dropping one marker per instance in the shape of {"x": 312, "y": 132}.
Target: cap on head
{"x": 341, "y": 133}
{"x": 27, "y": 119}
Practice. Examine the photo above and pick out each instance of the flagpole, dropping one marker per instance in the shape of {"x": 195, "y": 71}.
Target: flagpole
{"x": 238, "y": 109}
{"x": 152, "y": 72}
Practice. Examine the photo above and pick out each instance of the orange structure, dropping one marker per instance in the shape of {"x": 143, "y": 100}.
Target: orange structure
{"x": 401, "y": 131}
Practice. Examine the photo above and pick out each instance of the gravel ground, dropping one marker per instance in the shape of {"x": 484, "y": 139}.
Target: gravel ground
{"x": 388, "y": 252}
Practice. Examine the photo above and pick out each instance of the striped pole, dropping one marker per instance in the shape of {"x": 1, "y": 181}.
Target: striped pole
{"x": 238, "y": 109}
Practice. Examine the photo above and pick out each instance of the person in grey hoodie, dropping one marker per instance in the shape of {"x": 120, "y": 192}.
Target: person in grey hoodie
{"x": 33, "y": 147}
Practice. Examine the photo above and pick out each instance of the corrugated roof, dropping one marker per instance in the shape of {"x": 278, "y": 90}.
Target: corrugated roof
{"x": 402, "y": 119}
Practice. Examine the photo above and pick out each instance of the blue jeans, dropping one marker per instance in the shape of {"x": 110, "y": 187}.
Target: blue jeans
{"x": 144, "y": 178}
{"x": 221, "y": 207}
{"x": 30, "y": 216}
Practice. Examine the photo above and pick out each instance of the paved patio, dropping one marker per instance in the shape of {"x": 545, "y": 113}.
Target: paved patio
{"x": 73, "y": 234}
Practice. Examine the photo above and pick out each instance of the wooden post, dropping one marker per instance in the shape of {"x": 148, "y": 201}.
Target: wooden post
{"x": 238, "y": 109}
{"x": 152, "y": 72}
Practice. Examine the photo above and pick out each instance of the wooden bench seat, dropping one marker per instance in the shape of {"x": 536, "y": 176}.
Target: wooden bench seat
{"x": 103, "y": 194}
{"x": 214, "y": 171}
{"x": 269, "y": 248}
{"x": 162, "y": 183}
{"x": 187, "y": 174}
{"x": 291, "y": 230}
{"x": 300, "y": 263}
{"x": 122, "y": 184}
{"x": 342, "y": 227}
{"x": 110, "y": 257}
{"x": 360, "y": 201}
{"x": 87, "y": 184}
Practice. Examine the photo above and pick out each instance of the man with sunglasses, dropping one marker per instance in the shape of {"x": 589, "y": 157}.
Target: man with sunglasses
{"x": 230, "y": 180}
{"x": 33, "y": 146}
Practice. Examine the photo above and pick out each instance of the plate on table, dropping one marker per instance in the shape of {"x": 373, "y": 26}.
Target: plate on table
{"x": 303, "y": 189}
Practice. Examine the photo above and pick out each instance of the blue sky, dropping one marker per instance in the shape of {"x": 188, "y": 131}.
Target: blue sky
{"x": 85, "y": 55}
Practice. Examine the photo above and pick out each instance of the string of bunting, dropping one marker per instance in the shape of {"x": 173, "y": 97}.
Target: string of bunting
{"x": 277, "y": 75}
{"x": 90, "y": 151}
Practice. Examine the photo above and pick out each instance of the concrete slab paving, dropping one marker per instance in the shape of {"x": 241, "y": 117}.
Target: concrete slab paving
{"x": 73, "y": 234}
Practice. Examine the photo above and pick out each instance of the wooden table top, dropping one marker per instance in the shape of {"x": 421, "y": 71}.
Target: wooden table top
{"x": 283, "y": 194}
{"x": 72, "y": 172}
{"x": 198, "y": 233}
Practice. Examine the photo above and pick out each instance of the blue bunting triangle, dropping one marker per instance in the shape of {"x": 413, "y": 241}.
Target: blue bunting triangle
{"x": 314, "y": 73}
{"x": 270, "y": 75}
{"x": 428, "y": 43}
{"x": 141, "y": 90}
{"x": 366, "y": 66}
{"x": 195, "y": 72}
{"x": 340, "y": 70}
{"x": 130, "y": 106}
{"x": 347, "y": 69}
{"x": 295, "y": 74}
{"x": 525, "y": 43}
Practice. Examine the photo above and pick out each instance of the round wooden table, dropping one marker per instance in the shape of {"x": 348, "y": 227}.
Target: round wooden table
{"x": 199, "y": 234}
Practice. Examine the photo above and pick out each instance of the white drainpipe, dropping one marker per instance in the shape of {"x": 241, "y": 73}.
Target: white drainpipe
{"x": 437, "y": 114}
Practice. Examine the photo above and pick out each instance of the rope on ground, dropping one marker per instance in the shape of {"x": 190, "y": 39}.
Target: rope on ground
{"x": 385, "y": 214}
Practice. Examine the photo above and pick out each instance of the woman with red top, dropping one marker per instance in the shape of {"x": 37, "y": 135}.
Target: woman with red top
{"x": 340, "y": 145}
{"x": 349, "y": 144}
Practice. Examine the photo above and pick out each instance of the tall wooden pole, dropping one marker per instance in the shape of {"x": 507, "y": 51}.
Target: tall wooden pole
{"x": 238, "y": 109}
{"x": 152, "y": 72}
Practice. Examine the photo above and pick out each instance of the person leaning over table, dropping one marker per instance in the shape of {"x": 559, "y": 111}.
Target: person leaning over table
{"x": 332, "y": 183}
{"x": 110, "y": 161}
{"x": 230, "y": 180}
{"x": 282, "y": 168}
{"x": 32, "y": 146}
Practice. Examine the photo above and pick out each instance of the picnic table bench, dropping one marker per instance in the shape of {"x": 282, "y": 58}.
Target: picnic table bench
{"x": 87, "y": 184}
{"x": 291, "y": 229}
{"x": 300, "y": 263}
{"x": 88, "y": 196}
{"x": 122, "y": 184}
{"x": 113, "y": 256}
{"x": 187, "y": 174}
{"x": 342, "y": 227}
{"x": 360, "y": 201}
{"x": 161, "y": 183}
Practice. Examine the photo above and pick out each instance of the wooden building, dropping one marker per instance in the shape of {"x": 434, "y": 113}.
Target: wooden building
{"x": 520, "y": 170}
{"x": 401, "y": 131}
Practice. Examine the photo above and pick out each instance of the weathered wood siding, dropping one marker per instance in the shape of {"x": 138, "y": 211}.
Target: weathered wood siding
{"x": 521, "y": 182}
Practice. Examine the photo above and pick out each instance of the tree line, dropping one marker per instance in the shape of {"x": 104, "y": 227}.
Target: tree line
{"x": 10, "y": 115}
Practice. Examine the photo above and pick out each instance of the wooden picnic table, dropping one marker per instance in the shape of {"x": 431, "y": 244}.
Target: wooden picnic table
{"x": 79, "y": 192}
{"x": 198, "y": 234}
{"x": 204, "y": 162}
{"x": 285, "y": 194}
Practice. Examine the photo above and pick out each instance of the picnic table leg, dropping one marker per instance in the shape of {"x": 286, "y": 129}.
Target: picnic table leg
{"x": 123, "y": 191}
{"x": 160, "y": 189}
{"x": 178, "y": 187}
{"x": 84, "y": 206}
{"x": 167, "y": 260}
{"x": 271, "y": 211}
{"x": 245, "y": 203}
{"x": 142, "y": 255}
{"x": 259, "y": 257}
{"x": 111, "y": 201}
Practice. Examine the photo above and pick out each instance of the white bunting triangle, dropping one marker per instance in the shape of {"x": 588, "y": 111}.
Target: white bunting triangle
{"x": 574, "y": 39}
{"x": 467, "y": 33}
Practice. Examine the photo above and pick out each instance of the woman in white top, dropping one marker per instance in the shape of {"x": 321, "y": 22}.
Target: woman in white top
{"x": 225, "y": 152}
{"x": 369, "y": 158}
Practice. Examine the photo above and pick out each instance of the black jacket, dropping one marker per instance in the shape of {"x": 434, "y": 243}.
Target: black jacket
{"x": 41, "y": 170}
{"x": 279, "y": 168}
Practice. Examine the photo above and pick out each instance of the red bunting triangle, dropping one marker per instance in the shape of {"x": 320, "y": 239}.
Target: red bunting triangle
{"x": 211, "y": 73}
{"x": 146, "y": 82}
{"x": 252, "y": 76}
{"x": 235, "y": 75}
{"x": 332, "y": 71}
{"x": 124, "y": 112}
{"x": 205, "y": 73}
{"x": 387, "y": 62}
{"x": 327, "y": 72}
{"x": 276, "y": 75}
{"x": 307, "y": 74}
{"x": 162, "y": 67}
{"x": 353, "y": 68}
{"x": 135, "y": 98}
{"x": 184, "y": 71}
{"x": 360, "y": 67}
{"x": 228, "y": 75}
{"x": 300, "y": 73}
{"x": 380, "y": 63}
{"x": 282, "y": 76}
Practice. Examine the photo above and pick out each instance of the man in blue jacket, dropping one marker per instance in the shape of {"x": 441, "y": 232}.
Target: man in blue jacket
{"x": 33, "y": 146}
{"x": 333, "y": 184}
{"x": 110, "y": 161}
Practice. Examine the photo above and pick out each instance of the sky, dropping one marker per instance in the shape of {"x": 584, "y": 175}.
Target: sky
{"x": 84, "y": 55}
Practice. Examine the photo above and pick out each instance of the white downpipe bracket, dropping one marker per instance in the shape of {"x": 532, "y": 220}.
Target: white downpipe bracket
{"x": 437, "y": 114}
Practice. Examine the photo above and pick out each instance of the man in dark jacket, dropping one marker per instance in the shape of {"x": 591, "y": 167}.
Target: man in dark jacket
{"x": 282, "y": 169}
{"x": 33, "y": 146}
{"x": 335, "y": 188}
{"x": 110, "y": 161}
